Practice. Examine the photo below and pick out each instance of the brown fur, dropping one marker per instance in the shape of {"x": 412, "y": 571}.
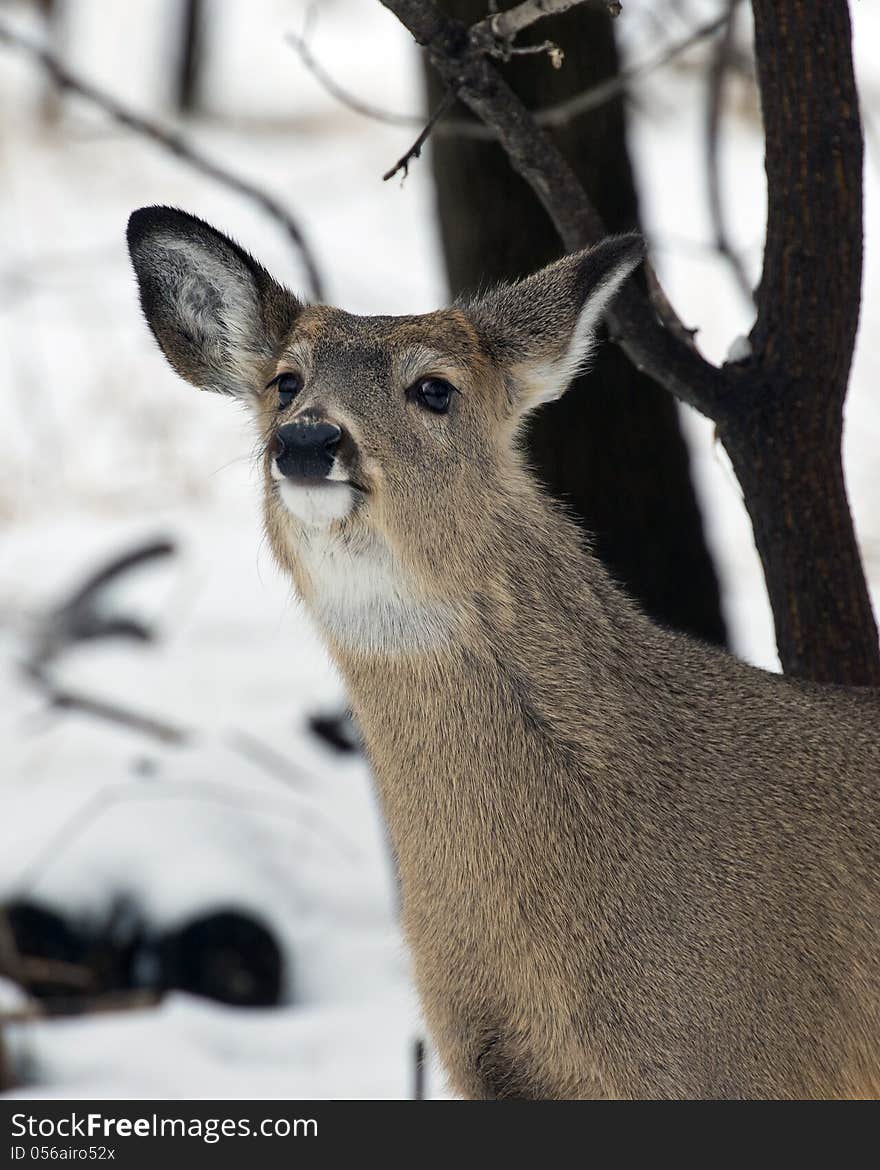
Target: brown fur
{"x": 631, "y": 866}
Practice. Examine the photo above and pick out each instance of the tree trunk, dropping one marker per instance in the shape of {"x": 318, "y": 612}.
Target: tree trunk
{"x": 612, "y": 447}
{"x": 782, "y": 422}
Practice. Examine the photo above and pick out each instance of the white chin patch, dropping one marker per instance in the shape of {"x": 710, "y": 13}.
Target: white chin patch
{"x": 316, "y": 507}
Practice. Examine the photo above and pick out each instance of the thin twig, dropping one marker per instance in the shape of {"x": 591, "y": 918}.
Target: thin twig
{"x": 553, "y": 51}
{"x": 170, "y": 141}
{"x": 343, "y": 96}
{"x": 80, "y": 617}
{"x": 563, "y": 112}
{"x": 415, "y": 150}
{"x": 506, "y": 26}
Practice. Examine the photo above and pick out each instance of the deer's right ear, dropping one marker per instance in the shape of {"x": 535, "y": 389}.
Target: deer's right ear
{"x": 217, "y": 314}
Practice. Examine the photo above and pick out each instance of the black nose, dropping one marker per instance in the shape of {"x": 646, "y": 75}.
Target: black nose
{"x": 305, "y": 450}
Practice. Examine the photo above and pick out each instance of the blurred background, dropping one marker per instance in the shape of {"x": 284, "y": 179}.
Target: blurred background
{"x": 198, "y": 896}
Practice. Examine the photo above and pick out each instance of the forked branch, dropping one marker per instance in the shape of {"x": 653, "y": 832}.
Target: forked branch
{"x": 667, "y": 354}
{"x": 559, "y": 114}
{"x": 779, "y": 411}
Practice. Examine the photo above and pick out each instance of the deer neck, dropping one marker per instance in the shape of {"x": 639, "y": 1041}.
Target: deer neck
{"x": 476, "y": 719}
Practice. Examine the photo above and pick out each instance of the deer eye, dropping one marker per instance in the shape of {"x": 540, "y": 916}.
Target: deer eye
{"x": 288, "y": 386}
{"x": 434, "y": 394}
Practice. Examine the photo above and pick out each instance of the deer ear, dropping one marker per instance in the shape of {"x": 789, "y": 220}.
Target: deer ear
{"x": 217, "y": 314}
{"x": 543, "y": 328}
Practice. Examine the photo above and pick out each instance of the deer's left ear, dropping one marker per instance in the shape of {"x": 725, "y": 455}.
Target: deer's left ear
{"x": 543, "y": 328}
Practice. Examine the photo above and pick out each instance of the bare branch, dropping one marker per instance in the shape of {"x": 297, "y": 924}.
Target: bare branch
{"x": 553, "y": 51}
{"x": 169, "y": 141}
{"x": 466, "y": 129}
{"x": 652, "y": 348}
{"x": 496, "y": 34}
{"x": 415, "y": 150}
{"x": 559, "y": 114}
{"x": 343, "y": 96}
{"x": 505, "y": 27}
{"x": 563, "y": 112}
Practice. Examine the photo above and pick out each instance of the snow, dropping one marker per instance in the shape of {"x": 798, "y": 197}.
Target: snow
{"x": 102, "y": 447}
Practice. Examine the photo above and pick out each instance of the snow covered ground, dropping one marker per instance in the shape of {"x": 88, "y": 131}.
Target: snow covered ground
{"x": 101, "y": 446}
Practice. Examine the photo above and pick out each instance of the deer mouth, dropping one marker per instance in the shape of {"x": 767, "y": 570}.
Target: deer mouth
{"x": 318, "y": 503}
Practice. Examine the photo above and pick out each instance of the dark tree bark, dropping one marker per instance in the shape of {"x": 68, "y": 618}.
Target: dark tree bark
{"x": 612, "y": 446}
{"x": 779, "y": 412}
{"x": 783, "y": 425}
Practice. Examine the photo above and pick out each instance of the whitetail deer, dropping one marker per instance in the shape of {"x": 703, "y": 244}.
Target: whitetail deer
{"x": 631, "y": 866}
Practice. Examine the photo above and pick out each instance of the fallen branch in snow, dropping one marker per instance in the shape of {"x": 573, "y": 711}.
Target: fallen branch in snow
{"x": 170, "y": 141}
{"x": 82, "y": 617}
{"x": 66, "y": 699}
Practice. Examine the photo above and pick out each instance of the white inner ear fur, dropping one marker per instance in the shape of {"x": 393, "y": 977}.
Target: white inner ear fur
{"x": 231, "y": 332}
{"x": 546, "y": 379}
